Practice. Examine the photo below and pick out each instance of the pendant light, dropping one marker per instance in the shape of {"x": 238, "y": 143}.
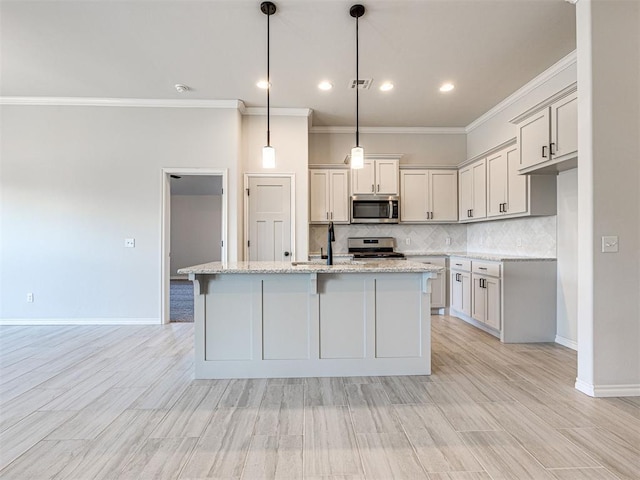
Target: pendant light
{"x": 357, "y": 152}
{"x": 268, "y": 152}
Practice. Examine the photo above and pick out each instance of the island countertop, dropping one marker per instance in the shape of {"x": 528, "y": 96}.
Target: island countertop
{"x": 384, "y": 266}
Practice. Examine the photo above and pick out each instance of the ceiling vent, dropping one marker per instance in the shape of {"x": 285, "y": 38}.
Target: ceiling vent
{"x": 362, "y": 84}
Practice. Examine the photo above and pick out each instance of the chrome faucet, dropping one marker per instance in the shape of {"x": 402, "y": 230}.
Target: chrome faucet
{"x": 331, "y": 237}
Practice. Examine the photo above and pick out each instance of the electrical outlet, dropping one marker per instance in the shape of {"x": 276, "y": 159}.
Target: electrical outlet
{"x": 448, "y": 241}
{"x": 518, "y": 242}
{"x": 29, "y": 297}
{"x": 407, "y": 241}
{"x": 610, "y": 244}
{"x": 130, "y": 242}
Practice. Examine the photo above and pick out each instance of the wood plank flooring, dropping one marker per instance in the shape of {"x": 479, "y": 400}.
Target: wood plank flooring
{"x": 120, "y": 402}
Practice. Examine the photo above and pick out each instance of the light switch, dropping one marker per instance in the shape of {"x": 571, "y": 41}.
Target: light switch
{"x": 130, "y": 242}
{"x": 609, "y": 244}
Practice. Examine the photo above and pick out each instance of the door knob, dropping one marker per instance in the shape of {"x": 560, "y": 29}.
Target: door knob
{"x": 286, "y": 254}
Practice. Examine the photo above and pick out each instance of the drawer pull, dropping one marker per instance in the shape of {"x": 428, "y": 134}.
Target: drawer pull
{"x": 482, "y": 268}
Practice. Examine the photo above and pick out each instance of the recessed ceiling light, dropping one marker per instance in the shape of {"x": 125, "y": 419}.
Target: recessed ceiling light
{"x": 263, "y": 84}
{"x": 386, "y": 86}
{"x": 325, "y": 85}
{"x": 447, "y": 87}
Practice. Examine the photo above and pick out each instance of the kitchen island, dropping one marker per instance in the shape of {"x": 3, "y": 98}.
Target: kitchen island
{"x": 308, "y": 319}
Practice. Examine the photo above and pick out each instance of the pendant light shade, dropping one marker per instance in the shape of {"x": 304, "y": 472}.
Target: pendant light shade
{"x": 357, "y": 152}
{"x": 268, "y": 152}
{"x": 268, "y": 157}
{"x": 357, "y": 158}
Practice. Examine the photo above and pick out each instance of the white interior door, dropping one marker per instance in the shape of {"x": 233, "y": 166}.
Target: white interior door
{"x": 269, "y": 219}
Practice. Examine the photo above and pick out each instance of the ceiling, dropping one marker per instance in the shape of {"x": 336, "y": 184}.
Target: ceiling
{"x": 141, "y": 49}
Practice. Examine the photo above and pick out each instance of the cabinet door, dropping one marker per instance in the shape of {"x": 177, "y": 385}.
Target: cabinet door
{"x": 492, "y": 294}
{"x": 479, "y": 299}
{"x": 461, "y": 292}
{"x": 496, "y": 184}
{"x": 443, "y": 195}
{"x": 479, "y": 193}
{"x": 455, "y": 287}
{"x": 362, "y": 179}
{"x": 564, "y": 126}
{"x": 387, "y": 177}
{"x": 533, "y": 137}
{"x": 339, "y": 196}
{"x": 413, "y": 205}
{"x": 318, "y": 196}
{"x": 517, "y": 185}
{"x": 465, "y": 193}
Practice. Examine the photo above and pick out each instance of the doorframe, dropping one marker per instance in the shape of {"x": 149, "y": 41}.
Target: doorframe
{"x": 165, "y": 228}
{"x": 292, "y": 178}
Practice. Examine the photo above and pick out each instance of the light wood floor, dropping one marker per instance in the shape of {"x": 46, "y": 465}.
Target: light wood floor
{"x": 103, "y": 402}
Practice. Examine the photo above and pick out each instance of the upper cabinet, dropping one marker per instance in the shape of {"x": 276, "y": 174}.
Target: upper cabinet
{"x": 514, "y": 195}
{"x": 548, "y": 134}
{"x": 378, "y": 177}
{"x": 329, "y": 195}
{"x": 428, "y": 196}
{"x": 472, "y": 191}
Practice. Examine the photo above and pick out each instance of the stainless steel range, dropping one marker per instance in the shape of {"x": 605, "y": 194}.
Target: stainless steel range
{"x": 379, "y": 248}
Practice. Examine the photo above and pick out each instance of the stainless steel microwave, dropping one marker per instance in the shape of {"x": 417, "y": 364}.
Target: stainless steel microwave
{"x": 375, "y": 208}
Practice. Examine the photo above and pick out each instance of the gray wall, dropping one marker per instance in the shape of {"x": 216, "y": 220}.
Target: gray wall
{"x": 75, "y": 182}
{"x": 417, "y": 149}
{"x": 195, "y": 230}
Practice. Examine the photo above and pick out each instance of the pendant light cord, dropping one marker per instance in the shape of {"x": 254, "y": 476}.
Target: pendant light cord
{"x": 268, "y": 85}
{"x": 357, "y": 87}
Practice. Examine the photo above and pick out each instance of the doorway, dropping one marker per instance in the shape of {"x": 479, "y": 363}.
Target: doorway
{"x": 194, "y": 230}
{"x": 269, "y": 217}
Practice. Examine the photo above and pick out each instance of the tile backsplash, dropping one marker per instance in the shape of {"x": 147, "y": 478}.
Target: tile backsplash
{"x": 534, "y": 236}
{"x": 421, "y": 237}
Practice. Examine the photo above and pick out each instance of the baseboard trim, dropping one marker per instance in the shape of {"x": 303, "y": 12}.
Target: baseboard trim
{"x": 632, "y": 390}
{"x": 565, "y": 342}
{"x": 79, "y": 321}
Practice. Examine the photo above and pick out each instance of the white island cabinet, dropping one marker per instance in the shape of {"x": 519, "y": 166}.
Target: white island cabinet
{"x": 278, "y": 319}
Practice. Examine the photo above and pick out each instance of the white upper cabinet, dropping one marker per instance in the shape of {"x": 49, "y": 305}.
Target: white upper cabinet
{"x": 472, "y": 191}
{"x": 507, "y": 190}
{"x": 564, "y": 127}
{"x": 329, "y": 195}
{"x": 378, "y": 177}
{"x": 548, "y": 134}
{"x": 428, "y": 195}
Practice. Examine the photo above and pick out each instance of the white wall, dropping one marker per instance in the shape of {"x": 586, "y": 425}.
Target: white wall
{"x": 497, "y": 129}
{"x": 608, "y": 40}
{"x": 195, "y": 230}
{"x": 567, "y": 307}
{"x": 77, "y": 181}
{"x": 290, "y": 138}
{"x": 417, "y": 149}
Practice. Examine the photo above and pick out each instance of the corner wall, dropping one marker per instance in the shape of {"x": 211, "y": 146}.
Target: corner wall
{"x": 77, "y": 181}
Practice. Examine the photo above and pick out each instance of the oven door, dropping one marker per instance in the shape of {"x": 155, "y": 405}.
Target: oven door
{"x": 374, "y": 209}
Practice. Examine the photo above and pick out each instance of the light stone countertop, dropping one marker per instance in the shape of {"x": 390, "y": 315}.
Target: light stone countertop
{"x": 384, "y": 266}
{"x": 490, "y": 257}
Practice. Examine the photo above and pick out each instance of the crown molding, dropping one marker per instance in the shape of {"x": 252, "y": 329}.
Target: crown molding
{"x": 392, "y": 130}
{"x": 545, "y": 76}
{"x": 287, "y": 112}
{"x": 121, "y": 102}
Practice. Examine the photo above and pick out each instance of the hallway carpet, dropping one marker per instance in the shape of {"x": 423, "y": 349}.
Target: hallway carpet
{"x": 181, "y": 301}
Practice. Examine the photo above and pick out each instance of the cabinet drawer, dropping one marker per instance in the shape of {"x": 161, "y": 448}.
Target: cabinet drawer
{"x": 486, "y": 268}
{"x": 437, "y": 261}
{"x": 460, "y": 264}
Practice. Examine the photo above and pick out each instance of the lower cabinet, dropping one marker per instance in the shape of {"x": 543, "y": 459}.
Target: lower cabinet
{"x": 514, "y": 300}
{"x": 485, "y": 306}
{"x": 460, "y": 285}
{"x": 438, "y": 284}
